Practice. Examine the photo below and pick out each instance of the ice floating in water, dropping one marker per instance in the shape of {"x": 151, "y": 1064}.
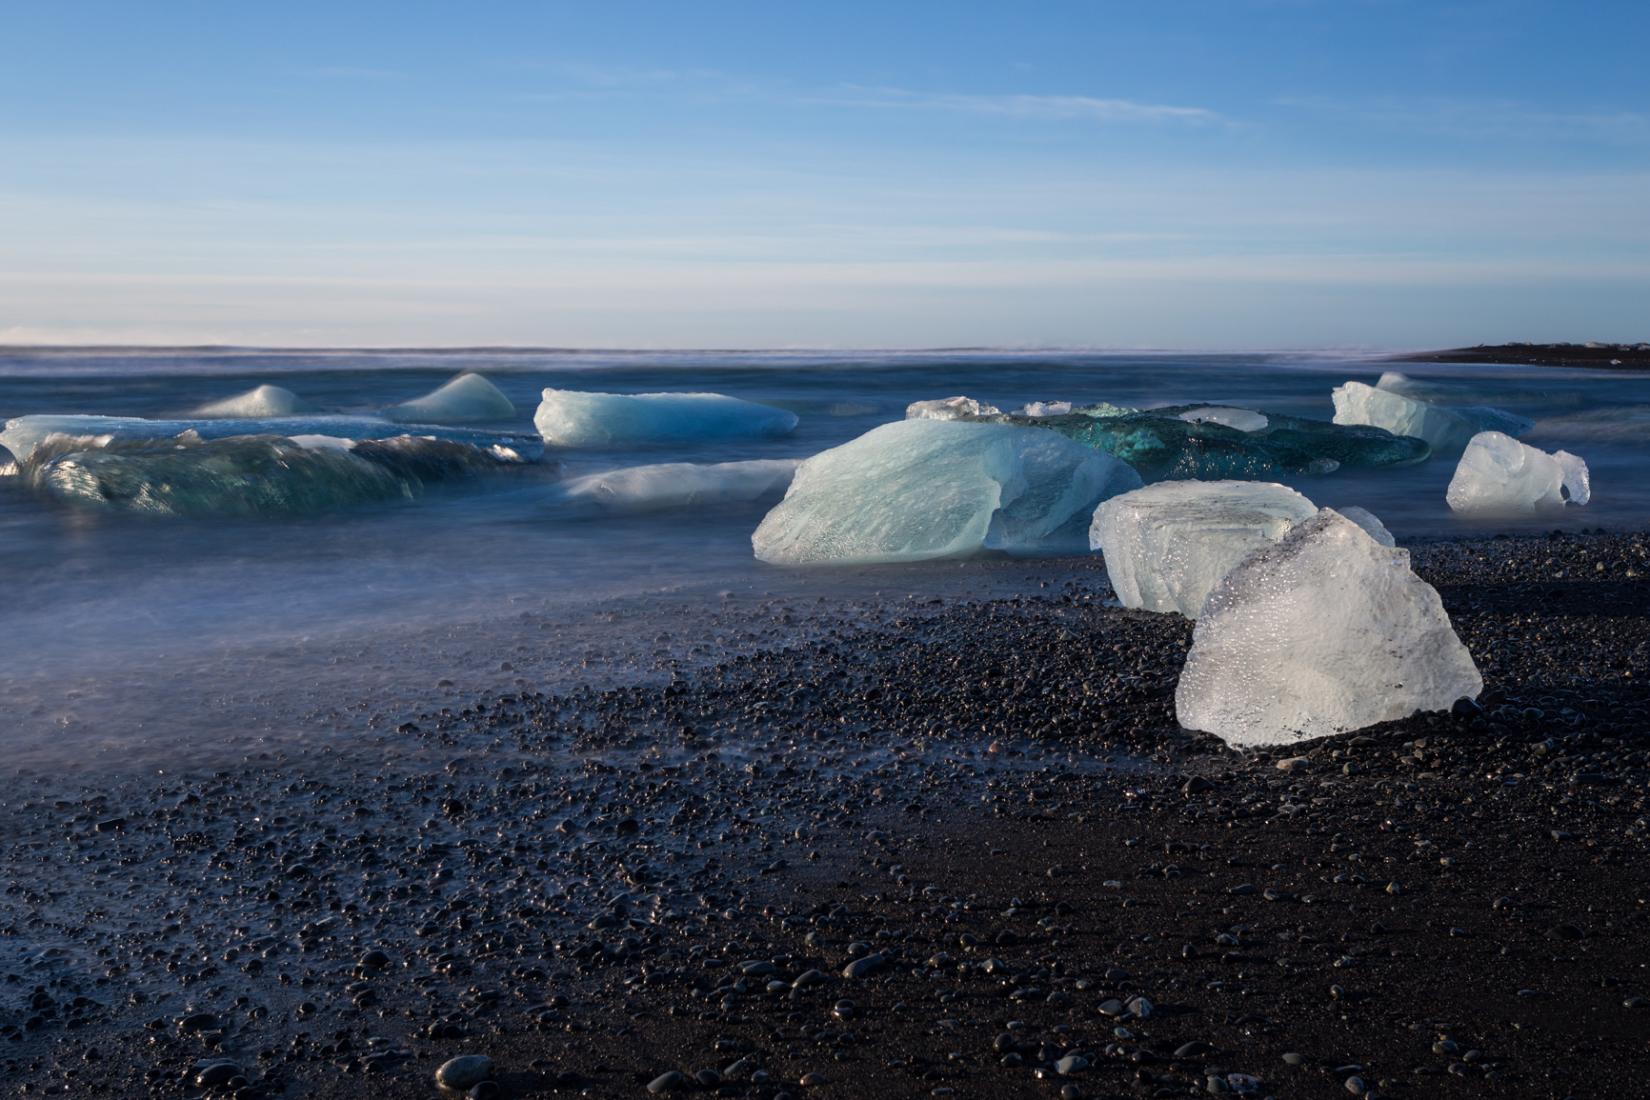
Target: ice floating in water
{"x": 684, "y": 484}
{"x": 1322, "y": 632}
{"x": 246, "y": 475}
{"x": 949, "y": 408}
{"x": 260, "y": 401}
{"x": 467, "y": 398}
{"x": 1164, "y": 444}
{"x": 1169, "y": 544}
{"x": 576, "y": 418}
{"x": 24, "y": 433}
{"x": 1244, "y": 420}
{"x": 1372, "y": 525}
{"x": 920, "y": 489}
{"x": 1446, "y": 429}
{"x": 1044, "y": 408}
{"x": 1498, "y": 474}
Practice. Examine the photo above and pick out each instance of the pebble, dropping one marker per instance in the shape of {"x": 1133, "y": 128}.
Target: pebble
{"x": 464, "y": 1072}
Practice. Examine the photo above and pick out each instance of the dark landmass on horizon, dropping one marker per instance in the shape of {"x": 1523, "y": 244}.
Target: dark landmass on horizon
{"x": 1591, "y": 354}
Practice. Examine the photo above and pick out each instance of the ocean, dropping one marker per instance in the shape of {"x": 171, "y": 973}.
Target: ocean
{"x": 126, "y": 635}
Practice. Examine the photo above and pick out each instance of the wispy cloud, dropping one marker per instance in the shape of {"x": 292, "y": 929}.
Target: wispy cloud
{"x": 1021, "y": 105}
{"x": 350, "y": 72}
{"x": 1488, "y": 120}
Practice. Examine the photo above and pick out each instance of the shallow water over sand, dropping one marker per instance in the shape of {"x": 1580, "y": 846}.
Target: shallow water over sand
{"x": 172, "y": 633}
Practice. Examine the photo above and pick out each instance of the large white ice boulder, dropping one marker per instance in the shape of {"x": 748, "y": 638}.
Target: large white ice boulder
{"x": 1498, "y": 474}
{"x": 1324, "y": 631}
{"x": 578, "y": 418}
{"x": 256, "y": 402}
{"x": 1447, "y": 429}
{"x": 949, "y": 408}
{"x": 463, "y": 399}
{"x": 684, "y": 484}
{"x": 1169, "y": 544}
{"x": 920, "y": 489}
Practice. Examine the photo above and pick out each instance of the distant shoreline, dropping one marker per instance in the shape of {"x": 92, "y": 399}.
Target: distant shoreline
{"x": 1604, "y": 356}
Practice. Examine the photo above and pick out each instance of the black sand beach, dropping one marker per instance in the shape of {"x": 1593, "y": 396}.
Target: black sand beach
{"x": 962, "y": 850}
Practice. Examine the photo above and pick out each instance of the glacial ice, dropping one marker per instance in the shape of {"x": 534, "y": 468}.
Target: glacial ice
{"x": 1244, "y": 420}
{"x": 1169, "y": 544}
{"x": 920, "y": 489}
{"x": 1371, "y": 524}
{"x": 1044, "y": 408}
{"x": 466, "y": 398}
{"x": 576, "y": 418}
{"x": 684, "y": 484}
{"x": 1162, "y": 444}
{"x": 1322, "y": 632}
{"x": 248, "y": 475}
{"x": 1499, "y": 475}
{"x": 22, "y": 434}
{"x": 949, "y": 408}
{"x": 260, "y": 401}
{"x": 1446, "y": 429}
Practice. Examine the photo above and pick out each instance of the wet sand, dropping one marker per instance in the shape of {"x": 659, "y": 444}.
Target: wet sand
{"x": 958, "y": 849}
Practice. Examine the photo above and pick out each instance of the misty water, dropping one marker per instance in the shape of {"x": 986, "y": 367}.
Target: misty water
{"x": 149, "y": 639}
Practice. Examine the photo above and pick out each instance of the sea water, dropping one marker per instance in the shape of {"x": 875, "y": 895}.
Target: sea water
{"x": 122, "y": 635}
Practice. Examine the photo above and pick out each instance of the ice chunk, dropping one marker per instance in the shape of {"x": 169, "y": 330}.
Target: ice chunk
{"x": 1498, "y": 474}
{"x": 1169, "y": 544}
{"x": 1164, "y": 444}
{"x": 1044, "y": 408}
{"x": 949, "y": 408}
{"x": 1372, "y": 526}
{"x": 1244, "y": 420}
{"x": 464, "y": 399}
{"x": 248, "y": 475}
{"x": 259, "y": 401}
{"x": 919, "y": 489}
{"x": 576, "y": 418}
{"x": 684, "y": 484}
{"x": 1446, "y": 429}
{"x": 22, "y": 434}
{"x": 1324, "y": 631}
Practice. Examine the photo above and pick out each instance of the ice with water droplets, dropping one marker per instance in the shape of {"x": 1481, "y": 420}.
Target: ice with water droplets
{"x": 1166, "y": 546}
{"x": 921, "y": 489}
{"x": 1322, "y": 632}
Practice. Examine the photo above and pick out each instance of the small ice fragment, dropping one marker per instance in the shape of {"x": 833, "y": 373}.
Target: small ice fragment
{"x": 921, "y": 489}
{"x": 949, "y": 408}
{"x": 1322, "y": 632}
{"x": 259, "y": 401}
{"x": 1169, "y": 544}
{"x": 1372, "y": 526}
{"x": 1244, "y": 420}
{"x": 576, "y": 418}
{"x": 1044, "y": 408}
{"x": 1498, "y": 474}
{"x": 465, "y": 398}
{"x": 684, "y": 484}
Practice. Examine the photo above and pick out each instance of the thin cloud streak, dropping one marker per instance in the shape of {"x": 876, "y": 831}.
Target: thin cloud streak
{"x": 1021, "y": 105}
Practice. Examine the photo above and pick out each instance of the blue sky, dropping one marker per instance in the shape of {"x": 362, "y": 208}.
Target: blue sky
{"x": 1238, "y": 174}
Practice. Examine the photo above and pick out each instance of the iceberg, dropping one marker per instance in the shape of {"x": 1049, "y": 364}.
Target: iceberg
{"x": 466, "y": 398}
{"x": 949, "y": 408}
{"x": 256, "y": 402}
{"x": 22, "y": 434}
{"x": 1446, "y": 429}
{"x": 1164, "y": 444}
{"x": 684, "y": 484}
{"x": 1244, "y": 420}
{"x": 1498, "y": 474}
{"x": 1322, "y": 632}
{"x": 1371, "y": 524}
{"x": 576, "y": 418}
{"x": 1168, "y": 545}
{"x": 923, "y": 489}
{"x": 1044, "y": 408}
{"x": 249, "y": 475}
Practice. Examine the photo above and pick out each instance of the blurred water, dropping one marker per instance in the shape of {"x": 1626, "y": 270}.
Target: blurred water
{"x": 118, "y": 629}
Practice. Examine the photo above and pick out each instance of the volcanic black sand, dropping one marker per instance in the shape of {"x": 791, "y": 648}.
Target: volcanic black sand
{"x": 966, "y": 852}
{"x": 1619, "y": 356}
